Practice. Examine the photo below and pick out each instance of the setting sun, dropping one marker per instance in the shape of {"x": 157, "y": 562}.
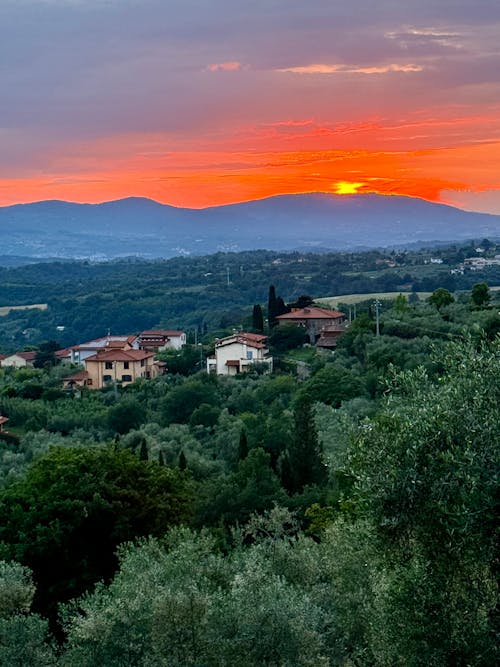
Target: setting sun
{"x": 346, "y": 188}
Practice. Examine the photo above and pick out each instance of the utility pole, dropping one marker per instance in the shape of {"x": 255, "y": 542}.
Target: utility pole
{"x": 377, "y": 305}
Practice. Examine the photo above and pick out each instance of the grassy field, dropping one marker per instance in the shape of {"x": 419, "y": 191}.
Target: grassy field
{"x": 5, "y": 310}
{"x": 333, "y": 301}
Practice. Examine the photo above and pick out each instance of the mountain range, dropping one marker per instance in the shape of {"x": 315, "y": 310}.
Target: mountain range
{"x": 143, "y": 227}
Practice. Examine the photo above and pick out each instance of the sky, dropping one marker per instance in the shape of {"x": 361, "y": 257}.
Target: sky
{"x": 205, "y": 102}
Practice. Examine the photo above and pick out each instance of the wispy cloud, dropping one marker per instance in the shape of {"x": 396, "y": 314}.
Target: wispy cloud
{"x": 410, "y": 34}
{"x": 228, "y": 66}
{"x": 321, "y": 68}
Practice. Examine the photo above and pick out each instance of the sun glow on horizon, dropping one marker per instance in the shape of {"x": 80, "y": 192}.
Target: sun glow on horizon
{"x": 347, "y": 187}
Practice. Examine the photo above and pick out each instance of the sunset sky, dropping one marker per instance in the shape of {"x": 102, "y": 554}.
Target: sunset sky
{"x": 205, "y": 102}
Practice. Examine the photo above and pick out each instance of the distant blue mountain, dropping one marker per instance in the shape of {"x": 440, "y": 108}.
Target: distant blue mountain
{"x": 137, "y": 226}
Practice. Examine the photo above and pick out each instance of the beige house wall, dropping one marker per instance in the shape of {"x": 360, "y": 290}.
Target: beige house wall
{"x": 97, "y": 372}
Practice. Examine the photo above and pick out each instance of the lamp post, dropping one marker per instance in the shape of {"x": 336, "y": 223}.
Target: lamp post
{"x": 377, "y": 305}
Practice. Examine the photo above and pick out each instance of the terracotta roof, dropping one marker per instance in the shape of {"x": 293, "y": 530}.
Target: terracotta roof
{"x": 27, "y": 356}
{"x": 311, "y": 313}
{"x": 250, "y": 339}
{"x": 161, "y": 332}
{"x": 62, "y": 354}
{"x": 80, "y": 375}
{"x": 3, "y": 420}
{"x": 120, "y": 355}
{"x": 3, "y": 356}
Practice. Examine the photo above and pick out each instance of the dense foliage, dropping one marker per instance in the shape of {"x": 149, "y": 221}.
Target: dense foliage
{"x": 85, "y": 299}
{"x": 341, "y": 511}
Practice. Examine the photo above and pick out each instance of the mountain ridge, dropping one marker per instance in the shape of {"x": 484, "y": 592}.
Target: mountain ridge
{"x": 145, "y": 227}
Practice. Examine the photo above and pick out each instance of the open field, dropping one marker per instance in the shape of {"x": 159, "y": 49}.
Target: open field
{"x": 5, "y": 310}
{"x": 356, "y": 298}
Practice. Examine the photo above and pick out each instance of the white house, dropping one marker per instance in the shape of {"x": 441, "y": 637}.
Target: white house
{"x": 110, "y": 342}
{"x": 236, "y": 354}
{"x": 157, "y": 340}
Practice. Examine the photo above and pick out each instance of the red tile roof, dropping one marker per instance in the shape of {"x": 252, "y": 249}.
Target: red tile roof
{"x": 27, "y": 356}
{"x": 63, "y": 354}
{"x": 3, "y": 420}
{"x": 120, "y": 355}
{"x": 250, "y": 339}
{"x": 80, "y": 375}
{"x": 312, "y": 313}
{"x": 161, "y": 332}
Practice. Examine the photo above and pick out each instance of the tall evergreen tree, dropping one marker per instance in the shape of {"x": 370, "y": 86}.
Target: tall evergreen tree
{"x": 243, "y": 445}
{"x": 257, "y": 318}
{"x": 305, "y": 454}
{"x": 272, "y": 307}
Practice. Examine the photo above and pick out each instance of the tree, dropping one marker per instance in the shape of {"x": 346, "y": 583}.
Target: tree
{"x": 257, "y": 318}
{"x": 305, "y": 464}
{"x": 126, "y": 415}
{"x": 272, "y": 307}
{"x": 66, "y": 518}
{"x": 45, "y": 355}
{"x": 288, "y": 337}
{"x": 441, "y": 297}
{"x": 480, "y": 294}
{"x": 426, "y": 471}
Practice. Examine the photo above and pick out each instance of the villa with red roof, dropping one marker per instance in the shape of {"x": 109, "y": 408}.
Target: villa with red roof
{"x": 114, "y": 366}
{"x": 236, "y": 354}
{"x": 315, "y": 320}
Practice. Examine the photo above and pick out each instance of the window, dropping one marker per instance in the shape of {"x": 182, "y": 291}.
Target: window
{"x": 106, "y": 378}
{"x": 126, "y": 365}
{"x": 89, "y": 382}
{"x": 249, "y": 354}
{"x": 108, "y": 365}
{"x": 126, "y": 378}
{"x": 142, "y": 362}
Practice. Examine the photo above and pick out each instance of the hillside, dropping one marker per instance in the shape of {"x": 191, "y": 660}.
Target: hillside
{"x": 143, "y": 227}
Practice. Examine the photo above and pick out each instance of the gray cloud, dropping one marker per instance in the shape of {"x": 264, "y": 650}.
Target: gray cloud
{"x": 91, "y": 68}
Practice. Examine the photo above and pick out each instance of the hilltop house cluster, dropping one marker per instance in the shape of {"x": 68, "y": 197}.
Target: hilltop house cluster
{"x": 123, "y": 359}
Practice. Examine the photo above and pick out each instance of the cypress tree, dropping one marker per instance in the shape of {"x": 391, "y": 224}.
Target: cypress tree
{"x": 143, "y": 452}
{"x": 257, "y": 318}
{"x": 272, "y": 307}
{"x": 305, "y": 453}
{"x": 243, "y": 445}
{"x": 182, "y": 461}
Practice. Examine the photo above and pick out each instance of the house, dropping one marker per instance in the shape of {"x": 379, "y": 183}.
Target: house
{"x": 3, "y": 421}
{"x": 63, "y": 356}
{"x": 329, "y": 335}
{"x": 236, "y": 354}
{"x": 81, "y": 352}
{"x": 77, "y": 380}
{"x": 157, "y": 340}
{"x": 118, "y": 366}
{"x": 19, "y": 360}
{"x": 313, "y": 319}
